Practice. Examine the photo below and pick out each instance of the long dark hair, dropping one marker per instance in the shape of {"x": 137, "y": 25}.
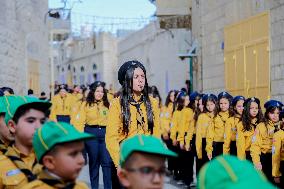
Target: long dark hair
{"x": 210, "y": 98}
{"x": 197, "y": 111}
{"x": 126, "y": 95}
{"x": 270, "y": 110}
{"x": 91, "y": 96}
{"x": 180, "y": 101}
{"x": 246, "y": 118}
{"x": 168, "y": 101}
{"x": 155, "y": 93}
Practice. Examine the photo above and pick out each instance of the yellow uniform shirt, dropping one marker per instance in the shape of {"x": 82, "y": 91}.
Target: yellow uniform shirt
{"x": 230, "y": 132}
{"x": 175, "y": 125}
{"x": 277, "y": 153}
{"x": 216, "y": 131}
{"x": 3, "y": 147}
{"x": 191, "y": 131}
{"x": 186, "y": 119}
{"x": 262, "y": 141}
{"x": 166, "y": 118}
{"x": 114, "y": 132}
{"x": 244, "y": 140}
{"x": 203, "y": 122}
{"x": 10, "y": 175}
{"x": 91, "y": 114}
{"x": 61, "y": 106}
{"x": 39, "y": 184}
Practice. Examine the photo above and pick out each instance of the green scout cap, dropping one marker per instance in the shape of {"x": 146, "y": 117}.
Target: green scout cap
{"x": 52, "y": 133}
{"x": 143, "y": 143}
{"x": 3, "y": 105}
{"x": 232, "y": 173}
{"x": 15, "y": 103}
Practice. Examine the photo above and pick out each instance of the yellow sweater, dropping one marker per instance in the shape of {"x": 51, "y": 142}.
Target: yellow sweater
{"x": 186, "y": 119}
{"x": 277, "y": 153}
{"x": 216, "y": 131}
{"x": 230, "y": 132}
{"x": 175, "y": 125}
{"x": 203, "y": 122}
{"x": 166, "y": 118}
{"x": 114, "y": 132}
{"x": 61, "y": 106}
{"x": 262, "y": 141}
{"x": 244, "y": 139}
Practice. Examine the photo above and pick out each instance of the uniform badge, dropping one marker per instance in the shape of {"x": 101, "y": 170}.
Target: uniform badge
{"x": 167, "y": 114}
{"x": 224, "y": 136}
{"x": 273, "y": 149}
{"x": 236, "y": 136}
{"x": 13, "y": 172}
{"x": 171, "y": 125}
{"x": 253, "y": 138}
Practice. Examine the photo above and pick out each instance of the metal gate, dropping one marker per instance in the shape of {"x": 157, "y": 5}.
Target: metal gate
{"x": 246, "y": 57}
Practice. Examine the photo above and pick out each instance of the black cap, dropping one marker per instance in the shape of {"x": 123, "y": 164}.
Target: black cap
{"x": 126, "y": 66}
{"x": 273, "y": 103}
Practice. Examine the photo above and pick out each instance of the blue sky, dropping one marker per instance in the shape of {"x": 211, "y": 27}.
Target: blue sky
{"x": 111, "y": 8}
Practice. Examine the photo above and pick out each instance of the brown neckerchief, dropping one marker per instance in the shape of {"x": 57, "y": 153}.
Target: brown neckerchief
{"x": 48, "y": 179}
{"x": 139, "y": 115}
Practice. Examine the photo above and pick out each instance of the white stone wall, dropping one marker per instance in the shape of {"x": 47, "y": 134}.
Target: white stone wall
{"x": 83, "y": 54}
{"x": 158, "y": 50}
{"x": 23, "y": 36}
{"x": 209, "y": 20}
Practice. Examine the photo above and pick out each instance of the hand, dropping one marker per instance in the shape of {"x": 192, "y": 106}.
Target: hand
{"x": 258, "y": 166}
{"x": 181, "y": 146}
{"x": 188, "y": 148}
{"x": 209, "y": 156}
{"x": 165, "y": 136}
{"x": 175, "y": 143}
{"x": 277, "y": 180}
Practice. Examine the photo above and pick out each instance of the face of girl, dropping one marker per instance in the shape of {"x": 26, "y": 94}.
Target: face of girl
{"x": 186, "y": 100}
{"x": 253, "y": 109}
{"x": 200, "y": 105}
{"x": 274, "y": 116}
{"x": 172, "y": 96}
{"x": 224, "y": 104}
{"x": 99, "y": 93}
{"x": 240, "y": 107}
{"x": 210, "y": 106}
{"x": 138, "y": 80}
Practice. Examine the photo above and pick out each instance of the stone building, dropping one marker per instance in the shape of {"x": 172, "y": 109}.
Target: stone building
{"x": 24, "y": 45}
{"x": 240, "y": 46}
{"x": 89, "y": 59}
{"x": 158, "y": 50}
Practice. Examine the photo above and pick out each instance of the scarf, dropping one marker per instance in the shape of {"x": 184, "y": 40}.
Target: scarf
{"x": 48, "y": 179}
{"x": 16, "y": 159}
{"x": 3, "y": 147}
{"x": 139, "y": 115}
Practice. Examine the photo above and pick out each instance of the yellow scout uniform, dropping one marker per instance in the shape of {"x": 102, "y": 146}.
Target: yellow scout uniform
{"x": 216, "y": 131}
{"x": 175, "y": 125}
{"x": 186, "y": 119}
{"x": 46, "y": 181}
{"x": 166, "y": 118}
{"x": 262, "y": 141}
{"x": 244, "y": 139}
{"x": 277, "y": 153}
{"x": 114, "y": 134}
{"x": 95, "y": 114}
{"x": 61, "y": 106}
{"x": 230, "y": 132}
{"x": 3, "y": 147}
{"x": 11, "y": 175}
{"x": 191, "y": 131}
{"x": 203, "y": 122}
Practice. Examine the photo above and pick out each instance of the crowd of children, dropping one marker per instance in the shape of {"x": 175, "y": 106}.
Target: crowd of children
{"x": 44, "y": 144}
{"x": 203, "y": 126}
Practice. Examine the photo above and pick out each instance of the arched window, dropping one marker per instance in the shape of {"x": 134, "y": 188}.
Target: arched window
{"x": 74, "y": 69}
{"x": 69, "y": 67}
{"x": 82, "y": 69}
{"x": 62, "y": 69}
